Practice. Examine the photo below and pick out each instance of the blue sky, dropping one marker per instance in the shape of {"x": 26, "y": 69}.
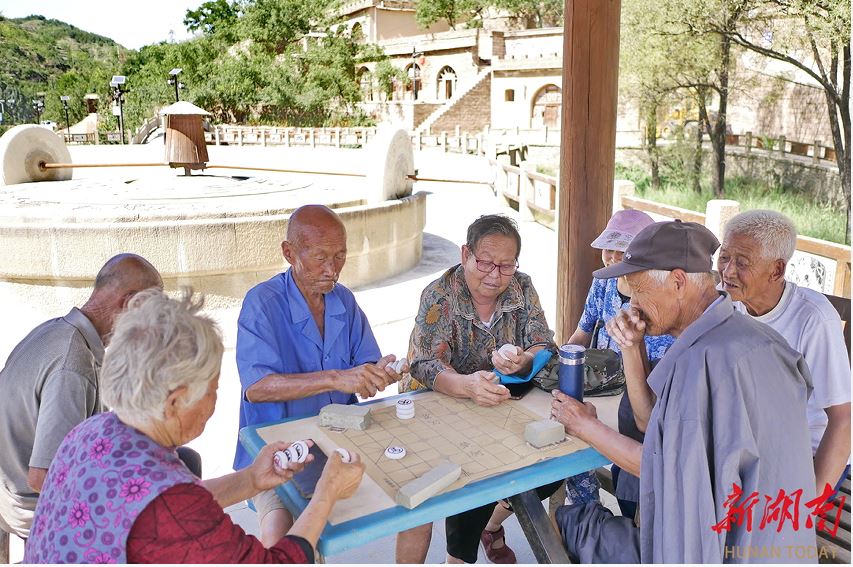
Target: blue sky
{"x": 130, "y": 23}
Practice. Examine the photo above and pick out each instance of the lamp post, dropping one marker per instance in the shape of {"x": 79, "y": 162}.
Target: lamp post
{"x": 415, "y": 55}
{"x": 65, "y": 99}
{"x": 117, "y": 84}
{"x": 38, "y": 106}
{"x": 173, "y": 80}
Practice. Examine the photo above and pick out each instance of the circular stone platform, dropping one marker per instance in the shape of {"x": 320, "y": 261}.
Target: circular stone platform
{"x": 219, "y": 231}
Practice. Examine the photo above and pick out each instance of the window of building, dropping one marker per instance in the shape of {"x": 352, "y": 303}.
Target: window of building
{"x": 509, "y": 95}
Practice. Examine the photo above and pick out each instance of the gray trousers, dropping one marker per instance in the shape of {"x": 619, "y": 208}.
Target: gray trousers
{"x": 592, "y": 534}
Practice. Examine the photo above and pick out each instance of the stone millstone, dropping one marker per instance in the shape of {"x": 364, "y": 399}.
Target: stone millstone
{"x": 417, "y": 491}
{"x": 390, "y": 160}
{"x": 24, "y": 147}
{"x": 345, "y": 416}
{"x": 544, "y": 432}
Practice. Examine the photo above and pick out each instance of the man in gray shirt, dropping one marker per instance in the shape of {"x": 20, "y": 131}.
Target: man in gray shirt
{"x": 716, "y": 455}
{"x": 50, "y": 384}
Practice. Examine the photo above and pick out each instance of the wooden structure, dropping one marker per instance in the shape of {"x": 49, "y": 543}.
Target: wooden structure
{"x": 185, "y": 143}
{"x": 588, "y": 148}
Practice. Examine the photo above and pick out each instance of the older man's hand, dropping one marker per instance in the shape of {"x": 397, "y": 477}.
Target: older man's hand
{"x": 483, "y": 389}
{"x": 265, "y": 474}
{"x": 626, "y": 328}
{"x": 339, "y": 479}
{"x": 367, "y": 379}
{"x": 574, "y": 415}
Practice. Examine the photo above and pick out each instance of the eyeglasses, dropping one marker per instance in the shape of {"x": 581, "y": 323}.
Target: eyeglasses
{"x": 487, "y": 267}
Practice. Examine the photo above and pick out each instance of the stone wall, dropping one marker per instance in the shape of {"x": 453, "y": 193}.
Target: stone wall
{"x": 472, "y": 113}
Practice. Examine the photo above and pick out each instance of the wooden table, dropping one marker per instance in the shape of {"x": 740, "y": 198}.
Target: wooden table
{"x": 365, "y": 517}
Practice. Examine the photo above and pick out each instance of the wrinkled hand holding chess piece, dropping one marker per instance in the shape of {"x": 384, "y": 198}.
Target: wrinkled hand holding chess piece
{"x": 510, "y": 359}
{"x": 484, "y": 389}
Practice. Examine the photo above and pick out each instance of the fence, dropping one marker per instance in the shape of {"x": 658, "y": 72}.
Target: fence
{"x": 535, "y": 195}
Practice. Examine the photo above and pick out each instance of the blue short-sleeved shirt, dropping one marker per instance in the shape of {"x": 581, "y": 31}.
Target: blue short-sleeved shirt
{"x": 602, "y": 303}
{"x": 276, "y": 334}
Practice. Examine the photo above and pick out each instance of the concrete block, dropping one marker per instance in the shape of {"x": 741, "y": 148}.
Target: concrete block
{"x": 345, "y": 416}
{"x": 544, "y": 432}
{"x": 418, "y": 491}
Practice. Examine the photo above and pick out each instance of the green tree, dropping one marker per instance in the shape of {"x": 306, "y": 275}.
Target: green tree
{"x": 273, "y": 25}
{"x": 427, "y": 12}
{"x": 812, "y": 36}
{"x": 212, "y": 16}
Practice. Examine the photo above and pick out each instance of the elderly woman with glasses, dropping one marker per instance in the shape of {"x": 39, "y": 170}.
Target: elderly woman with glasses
{"x": 465, "y": 316}
{"x": 116, "y": 492}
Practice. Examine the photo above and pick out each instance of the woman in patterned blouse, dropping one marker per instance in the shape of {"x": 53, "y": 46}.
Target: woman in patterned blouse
{"x": 465, "y": 315}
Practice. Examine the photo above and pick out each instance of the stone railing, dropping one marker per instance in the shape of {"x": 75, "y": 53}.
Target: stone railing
{"x": 818, "y": 264}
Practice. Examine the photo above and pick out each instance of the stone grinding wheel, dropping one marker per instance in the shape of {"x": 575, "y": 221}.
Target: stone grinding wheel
{"x": 389, "y": 161}
{"x": 24, "y": 147}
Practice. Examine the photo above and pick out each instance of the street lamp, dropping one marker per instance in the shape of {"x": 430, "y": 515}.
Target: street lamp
{"x": 65, "y": 99}
{"x": 174, "y": 81}
{"x": 117, "y": 84}
{"x": 38, "y": 106}
{"x": 415, "y": 55}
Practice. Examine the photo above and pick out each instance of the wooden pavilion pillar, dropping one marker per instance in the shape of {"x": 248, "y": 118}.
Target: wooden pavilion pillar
{"x": 587, "y": 148}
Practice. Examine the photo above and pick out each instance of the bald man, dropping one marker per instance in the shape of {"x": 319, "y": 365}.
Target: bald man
{"x": 303, "y": 342}
{"x": 50, "y": 384}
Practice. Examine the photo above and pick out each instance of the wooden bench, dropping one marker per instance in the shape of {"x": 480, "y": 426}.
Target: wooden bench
{"x": 836, "y": 549}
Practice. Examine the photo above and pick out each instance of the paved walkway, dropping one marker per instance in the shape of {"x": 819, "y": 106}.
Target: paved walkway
{"x": 390, "y": 306}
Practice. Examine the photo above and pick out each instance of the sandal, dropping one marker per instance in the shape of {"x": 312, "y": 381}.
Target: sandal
{"x": 501, "y": 555}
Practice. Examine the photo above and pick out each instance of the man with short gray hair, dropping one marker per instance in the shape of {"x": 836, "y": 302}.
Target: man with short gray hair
{"x": 714, "y": 428}
{"x": 757, "y": 246}
{"x": 50, "y": 384}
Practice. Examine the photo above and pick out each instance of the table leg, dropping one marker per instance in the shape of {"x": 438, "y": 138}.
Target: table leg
{"x": 546, "y": 543}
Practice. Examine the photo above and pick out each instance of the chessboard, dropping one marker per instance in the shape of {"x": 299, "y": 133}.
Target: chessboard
{"x": 483, "y": 441}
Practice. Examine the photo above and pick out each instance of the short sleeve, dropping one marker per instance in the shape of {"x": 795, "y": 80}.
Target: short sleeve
{"x": 363, "y": 346}
{"x": 825, "y": 353}
{"x": 67, "y": 399}
{"x": 257, "y": 354}
{"x": 593, "y": 306}
{"x": 430, "y": 349}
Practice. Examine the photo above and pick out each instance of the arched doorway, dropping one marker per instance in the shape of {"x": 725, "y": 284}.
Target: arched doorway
{"x": 365, "y": 83}
{"x": 357, "y": 33}
{"x": 414, "y": 87}
{"x": 546, "y": 107}
{"x": 446, "y": 83}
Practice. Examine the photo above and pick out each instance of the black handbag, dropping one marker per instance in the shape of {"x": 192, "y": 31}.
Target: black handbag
{"x": 603, "y": 372}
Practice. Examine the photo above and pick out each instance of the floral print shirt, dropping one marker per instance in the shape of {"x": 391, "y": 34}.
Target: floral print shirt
{"x": 449, "y": 335}
{"x": 602, "y": 303}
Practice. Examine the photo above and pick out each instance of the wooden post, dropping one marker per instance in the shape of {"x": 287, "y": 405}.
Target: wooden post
{"x": 782, "y": 145}
{"x": 587, "y": 149}
{"x": 216, "y": 132}
{"x": 816, "y": 154}
{"x": 337, "y": 137}
{"x": 264, "y": 137}
{"x": 748, "y": 142}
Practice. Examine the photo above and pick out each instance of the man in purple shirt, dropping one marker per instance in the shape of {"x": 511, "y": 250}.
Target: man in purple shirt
{"x": 303, "y": 342}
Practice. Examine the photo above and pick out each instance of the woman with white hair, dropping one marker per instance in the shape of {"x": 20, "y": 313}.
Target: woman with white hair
{"x": 117, "y": 492}
{"x": 757, "y": 246}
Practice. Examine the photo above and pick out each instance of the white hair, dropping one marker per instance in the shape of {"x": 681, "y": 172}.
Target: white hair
{"x": 775, "y": 233}
{"x": 159, "y": 344}
{"x": 696, "y": 278}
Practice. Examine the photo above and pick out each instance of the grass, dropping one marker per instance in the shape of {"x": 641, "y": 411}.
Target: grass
{"x": 818, "y": 220}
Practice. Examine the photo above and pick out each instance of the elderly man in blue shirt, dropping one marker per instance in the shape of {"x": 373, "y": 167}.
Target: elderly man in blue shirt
{"x": 303, "y": 343}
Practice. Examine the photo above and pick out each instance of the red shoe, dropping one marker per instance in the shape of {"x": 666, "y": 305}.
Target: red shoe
{"x": 502, "y": 555}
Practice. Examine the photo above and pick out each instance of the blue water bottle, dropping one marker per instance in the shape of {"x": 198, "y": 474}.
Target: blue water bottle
{"x": 571, "y": 371}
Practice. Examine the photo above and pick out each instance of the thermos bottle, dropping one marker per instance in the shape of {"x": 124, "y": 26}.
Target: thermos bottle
{"x": 571, "y": 371}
